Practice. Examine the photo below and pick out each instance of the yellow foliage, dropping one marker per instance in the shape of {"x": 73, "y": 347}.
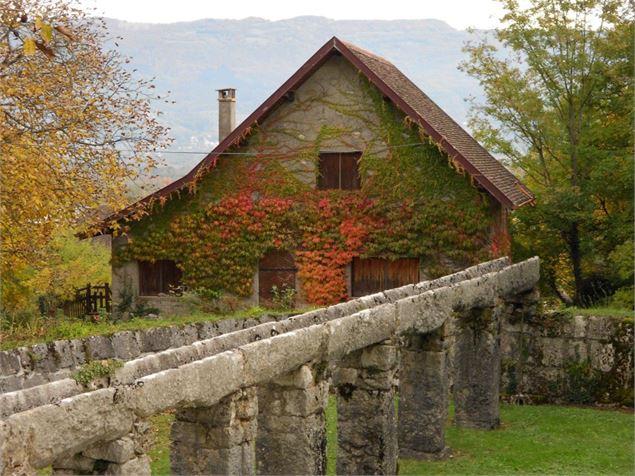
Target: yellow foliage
{"x": 68, "y": 263}
{"x": 76, "y": 129}
{"x": 29, "y": 46}
{"x": 46, "y": 32}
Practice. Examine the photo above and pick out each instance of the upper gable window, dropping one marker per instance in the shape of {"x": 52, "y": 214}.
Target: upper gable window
{"x": 339, "y": 170}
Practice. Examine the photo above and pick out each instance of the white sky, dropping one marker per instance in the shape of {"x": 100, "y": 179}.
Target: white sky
{"x": 457, "y": 13}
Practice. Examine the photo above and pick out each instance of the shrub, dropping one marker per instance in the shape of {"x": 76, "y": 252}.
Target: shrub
{"x": 95, "y": 370}
{"x": 283, "y": 298}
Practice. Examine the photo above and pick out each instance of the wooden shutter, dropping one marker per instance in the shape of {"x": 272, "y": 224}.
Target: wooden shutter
{"x": 371, "y": 275}
{"x": 339, "y": 171}
{"x": 276, "y": 268}
{"x": 329, "y": 176}
{"x": 158, "y": 277}
{"x": 349, "y": 172}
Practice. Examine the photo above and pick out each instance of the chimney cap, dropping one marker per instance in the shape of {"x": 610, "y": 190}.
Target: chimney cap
{"x": 227, "y": 93}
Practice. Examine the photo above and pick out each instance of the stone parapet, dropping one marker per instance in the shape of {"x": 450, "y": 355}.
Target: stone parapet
{"x": 287, "y": 360}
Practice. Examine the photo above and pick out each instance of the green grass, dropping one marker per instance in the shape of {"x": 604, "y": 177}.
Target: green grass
{"x": 542, "y": 439}
{"x": 601, "y": 311}
{"x": 50, "y": 329}
{"x": 160, "y": 452}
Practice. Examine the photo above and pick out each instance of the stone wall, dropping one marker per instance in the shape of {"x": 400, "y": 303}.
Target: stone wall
{"x": 27, "y": 367}
{"x": 561, "y": 358}
{"x": 214, "y": 386}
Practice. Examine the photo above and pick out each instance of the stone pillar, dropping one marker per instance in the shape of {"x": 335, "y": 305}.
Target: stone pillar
{"x": 423, "y": 396}
{"x": 477, "y": 368}
{"x": 217, "y": 439}
{"x": 366, "y": 420}
{"x": 291, "y": 425}
{"x": 124, "y": 456}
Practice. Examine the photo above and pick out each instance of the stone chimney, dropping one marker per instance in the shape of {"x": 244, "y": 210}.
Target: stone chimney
{"x": 226, "y": 112}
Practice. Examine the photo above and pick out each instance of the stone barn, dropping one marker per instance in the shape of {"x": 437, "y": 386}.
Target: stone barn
{"x": 346, "y": 181}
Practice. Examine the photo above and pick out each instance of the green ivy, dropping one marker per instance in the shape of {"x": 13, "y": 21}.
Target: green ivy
{"x": 416, "y": 203}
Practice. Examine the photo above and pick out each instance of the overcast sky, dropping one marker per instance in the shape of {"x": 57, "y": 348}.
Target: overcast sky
{"x": 457, "y": 13}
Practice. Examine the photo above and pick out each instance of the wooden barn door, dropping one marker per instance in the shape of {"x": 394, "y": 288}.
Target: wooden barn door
{"x": 276, "y": 268}
{"x": 371, "y": 275}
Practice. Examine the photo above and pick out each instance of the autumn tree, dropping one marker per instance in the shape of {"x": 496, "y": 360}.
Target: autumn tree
{"x": 558, "y": 84}
{"x": 76, "y": 126}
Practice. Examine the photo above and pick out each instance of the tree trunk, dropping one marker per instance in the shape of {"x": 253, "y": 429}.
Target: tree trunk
{"x": 576, "y": 258}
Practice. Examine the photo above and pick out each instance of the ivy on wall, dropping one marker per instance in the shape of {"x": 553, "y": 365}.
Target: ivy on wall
{"x": 412, "y": 203}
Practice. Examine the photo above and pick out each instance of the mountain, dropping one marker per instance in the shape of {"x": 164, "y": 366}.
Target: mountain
{"x": 255, "y": 56}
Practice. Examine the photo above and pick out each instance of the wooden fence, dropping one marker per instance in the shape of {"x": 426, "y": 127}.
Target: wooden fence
{"x": 89, "y": 300}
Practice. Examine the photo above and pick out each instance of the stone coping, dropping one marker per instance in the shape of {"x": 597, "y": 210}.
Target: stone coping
{"x": 226, "y": 335}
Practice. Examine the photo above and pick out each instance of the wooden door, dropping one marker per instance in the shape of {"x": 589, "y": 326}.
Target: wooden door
{"x": 276, "y": 268}
{"x": 371, "y": 275}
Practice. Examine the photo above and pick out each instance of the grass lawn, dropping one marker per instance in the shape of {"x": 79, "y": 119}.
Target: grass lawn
{"x": 601, "y": 311}
{"x": 543, "y": 439}
{"x": 50, "y": 329}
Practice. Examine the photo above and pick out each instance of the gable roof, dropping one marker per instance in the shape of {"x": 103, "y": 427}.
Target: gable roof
{"x": 488, "y": 172}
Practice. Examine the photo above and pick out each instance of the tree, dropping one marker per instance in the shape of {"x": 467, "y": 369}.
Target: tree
{"x": 71, "y": 263}
{"x": 559, "y": 107}
{"x": 76, "y": 127}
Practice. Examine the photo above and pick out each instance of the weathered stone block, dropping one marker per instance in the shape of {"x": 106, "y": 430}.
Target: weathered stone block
{"x": 602, "y": 356}
{"x": 41, "y": 359}
{"x": 291, "y": 445}
{"x": 75, "y": 462}
{"x": 79, "y": 351}
{"x": 579, "y": 327}
{"x": 117, "y": 451}
{"x": 125, "y": 345}
{"x": 230, "y": 435}
{"x": 9, "y": 363}
{"x": 361, "y": 330}
{"x": 33, "y": 379}
{"x": 602, "y": 328}
{"x": 156, "y": 339}
{"x": 99, "y": 348}
{"x": 423, "y": 403}
{"x": 576, "y": 350}
{"x": 189, "y": 433}
{"x": 135, "y": 467}
{"x": 11, "y": 383}
{"x": 305, "y": 401}
{"x": 269, "y": 358}
{"x": 367, "y": 433}
{"x": 189, "y": 333}
{"x": 382, "y": 357}
{"x": 207, "y": 330}
{"x": 217, "y": 439}
{"x": 477, "y": 370}
{"x": 425, "y": 312}
{"x": 553, "y": 352}
{"x": 302, "y": 378}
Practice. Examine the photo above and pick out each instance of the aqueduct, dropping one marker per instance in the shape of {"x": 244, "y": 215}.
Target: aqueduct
{"x": 254, "y": 399}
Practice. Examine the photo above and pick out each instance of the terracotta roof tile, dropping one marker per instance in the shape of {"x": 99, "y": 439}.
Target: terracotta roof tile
{"x": 485, "y": 165}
